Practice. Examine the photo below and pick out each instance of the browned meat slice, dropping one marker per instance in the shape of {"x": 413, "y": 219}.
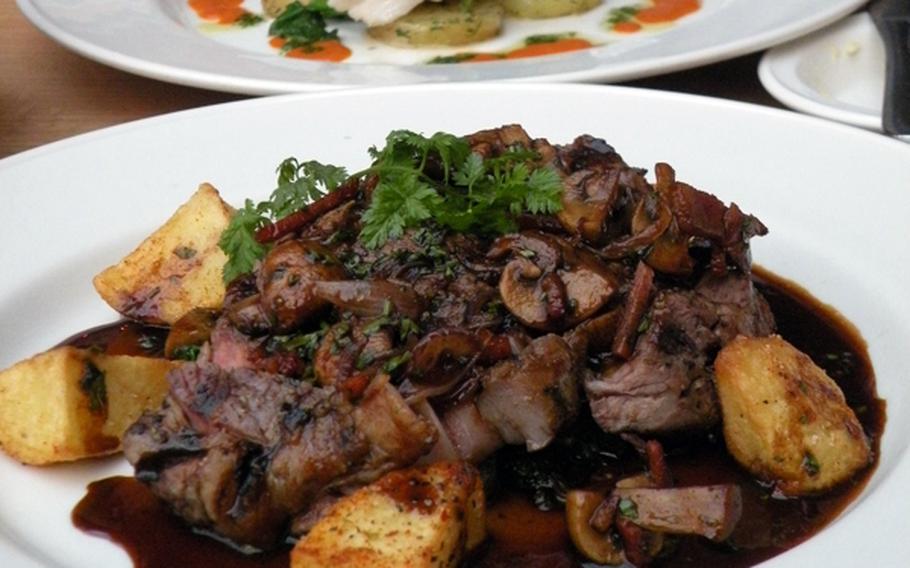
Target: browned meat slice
{"x": 243, "y": 452}
{"x": 668, "y": 383}
{"x": 529, "y": 399}
{"x": 396, "y": 434}
{"x": 471, "y": 435}
{"x": 710, "y": 511}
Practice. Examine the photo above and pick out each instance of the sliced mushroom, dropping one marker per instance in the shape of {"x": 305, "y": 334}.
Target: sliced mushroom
{"x": 548, "y": 284}
{"x": 587, "y": 201}
{"x": 370, "y": 298}
{"x": 287, "y": 278}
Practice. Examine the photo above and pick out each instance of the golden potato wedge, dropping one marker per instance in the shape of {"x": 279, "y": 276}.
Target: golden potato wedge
{"x": 274, "y": 8}
{"x": 176, "y": 269}
{"x": 68, "y": 403}
{"x": 784, "y": 419}
{"x": 535, "y": 9}
{"x": 442, "y": 24}
{"x": 419, "y": 517}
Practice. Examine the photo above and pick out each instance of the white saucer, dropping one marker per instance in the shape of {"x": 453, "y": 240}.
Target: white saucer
{"x": 836, "y": 73}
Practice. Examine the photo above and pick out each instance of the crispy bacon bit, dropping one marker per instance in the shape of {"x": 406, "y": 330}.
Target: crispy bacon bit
{"x": 300, "y": 219}
{"x": 639, "y": 296}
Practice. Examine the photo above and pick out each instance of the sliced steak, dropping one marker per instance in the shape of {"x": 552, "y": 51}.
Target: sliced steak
{"x": 530, "y": 399}
{"x": 242, "y": 452}
{"x": 667, "y": 384}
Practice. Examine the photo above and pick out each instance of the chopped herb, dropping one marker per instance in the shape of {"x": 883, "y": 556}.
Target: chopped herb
{"x": 186, "y": 353}
{"x": 406, "y": 327}
{"x": 248, "y": 20}
{"x": 628, "y": 509}
{"x": 810, "y": 464}
{"x": 301, "y": 26}
{"x": 377, "y": 324}
{"x": 456, "y": 58}
{"x": 149, "y": 343}
{"x": 547, "y": 38}
{"x": 184, "y": 252}
{"x": 364, "y": 360}
{"x": 397, "y": 361}
{"x": 93, "y": 385}
{"x": 622, "y": 15}
{"x": 644, "y": 325}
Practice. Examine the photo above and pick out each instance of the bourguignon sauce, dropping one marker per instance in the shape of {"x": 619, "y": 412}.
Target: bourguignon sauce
{"x": 125, "y": 511}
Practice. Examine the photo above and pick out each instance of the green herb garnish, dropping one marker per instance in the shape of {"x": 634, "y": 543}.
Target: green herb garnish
{"x": 302, "y": 26}
{"x": 811, "y": 465}
{"x": 299, "y": 183}
{"x": 93, "y": 385}
{"x": 186, "y": 353}
{"x": 628, "y": 509}
{"x": 248, "y": 20}
{"x": 473, "y": 195}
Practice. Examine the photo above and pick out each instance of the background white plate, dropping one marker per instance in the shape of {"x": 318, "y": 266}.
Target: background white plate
{"x": 161, "y": 39}
{"x": 836, "y": 73}
{"x": 834, "y": 197}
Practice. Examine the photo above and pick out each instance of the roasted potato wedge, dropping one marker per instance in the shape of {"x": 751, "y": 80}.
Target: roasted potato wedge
{"x": 176, "y": 269}
{"x": 274, "y": 8}
{"x": 443, "y": 24}
{"x": 68, "y": 403}
{"x": 535, "y": 9}
{"x": 419, "y": 517}
{"x": 784, "y": 419}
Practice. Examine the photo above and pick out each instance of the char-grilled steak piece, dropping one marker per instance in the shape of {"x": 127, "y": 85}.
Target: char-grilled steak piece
{"x": 242, "y": 452}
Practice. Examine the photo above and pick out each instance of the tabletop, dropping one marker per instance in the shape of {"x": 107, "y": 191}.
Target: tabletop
{"x": 48, "y": 93}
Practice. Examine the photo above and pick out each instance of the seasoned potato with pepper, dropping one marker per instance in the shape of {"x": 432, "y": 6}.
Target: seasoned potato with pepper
{"x": 419, "y": 517}
{"x": 68, "y": 403}
{"x": 433, "y": 24}
{"x": 176, "y": 269}
{"x": 785, "y": 420}
{"x": 550, "y": 9}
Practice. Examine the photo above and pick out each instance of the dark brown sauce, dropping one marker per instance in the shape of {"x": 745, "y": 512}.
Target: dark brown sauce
{"x": 125, "y": 511}
{"x": 121, "y": 338}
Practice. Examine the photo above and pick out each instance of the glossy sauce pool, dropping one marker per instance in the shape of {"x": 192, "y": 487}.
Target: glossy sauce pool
{"x": 125, "y": 511}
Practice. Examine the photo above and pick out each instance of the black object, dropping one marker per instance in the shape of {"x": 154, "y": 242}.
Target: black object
{"x": 892, "y": 18}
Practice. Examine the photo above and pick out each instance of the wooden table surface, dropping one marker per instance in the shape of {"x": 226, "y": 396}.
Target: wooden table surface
{"x": 48, "y": 93}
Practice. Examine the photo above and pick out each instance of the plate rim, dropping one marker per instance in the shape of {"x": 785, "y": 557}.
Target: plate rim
{"x": 773, "y": 74}
{"x": 706, "y": 103}
{"x": 828, "y": 12}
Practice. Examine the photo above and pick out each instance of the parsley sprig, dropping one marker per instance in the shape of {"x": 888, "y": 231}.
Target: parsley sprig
{"x": 299, "y": 183}
{"x": 302, "y": 26}
{"x": 466, "y": 193}
{"x": 422, "y": 181}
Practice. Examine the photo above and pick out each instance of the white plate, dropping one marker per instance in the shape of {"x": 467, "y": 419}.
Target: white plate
{"x": 836, "y": 73}
{"x": 74, "y": 207}
{"x": 162, "y": 39}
